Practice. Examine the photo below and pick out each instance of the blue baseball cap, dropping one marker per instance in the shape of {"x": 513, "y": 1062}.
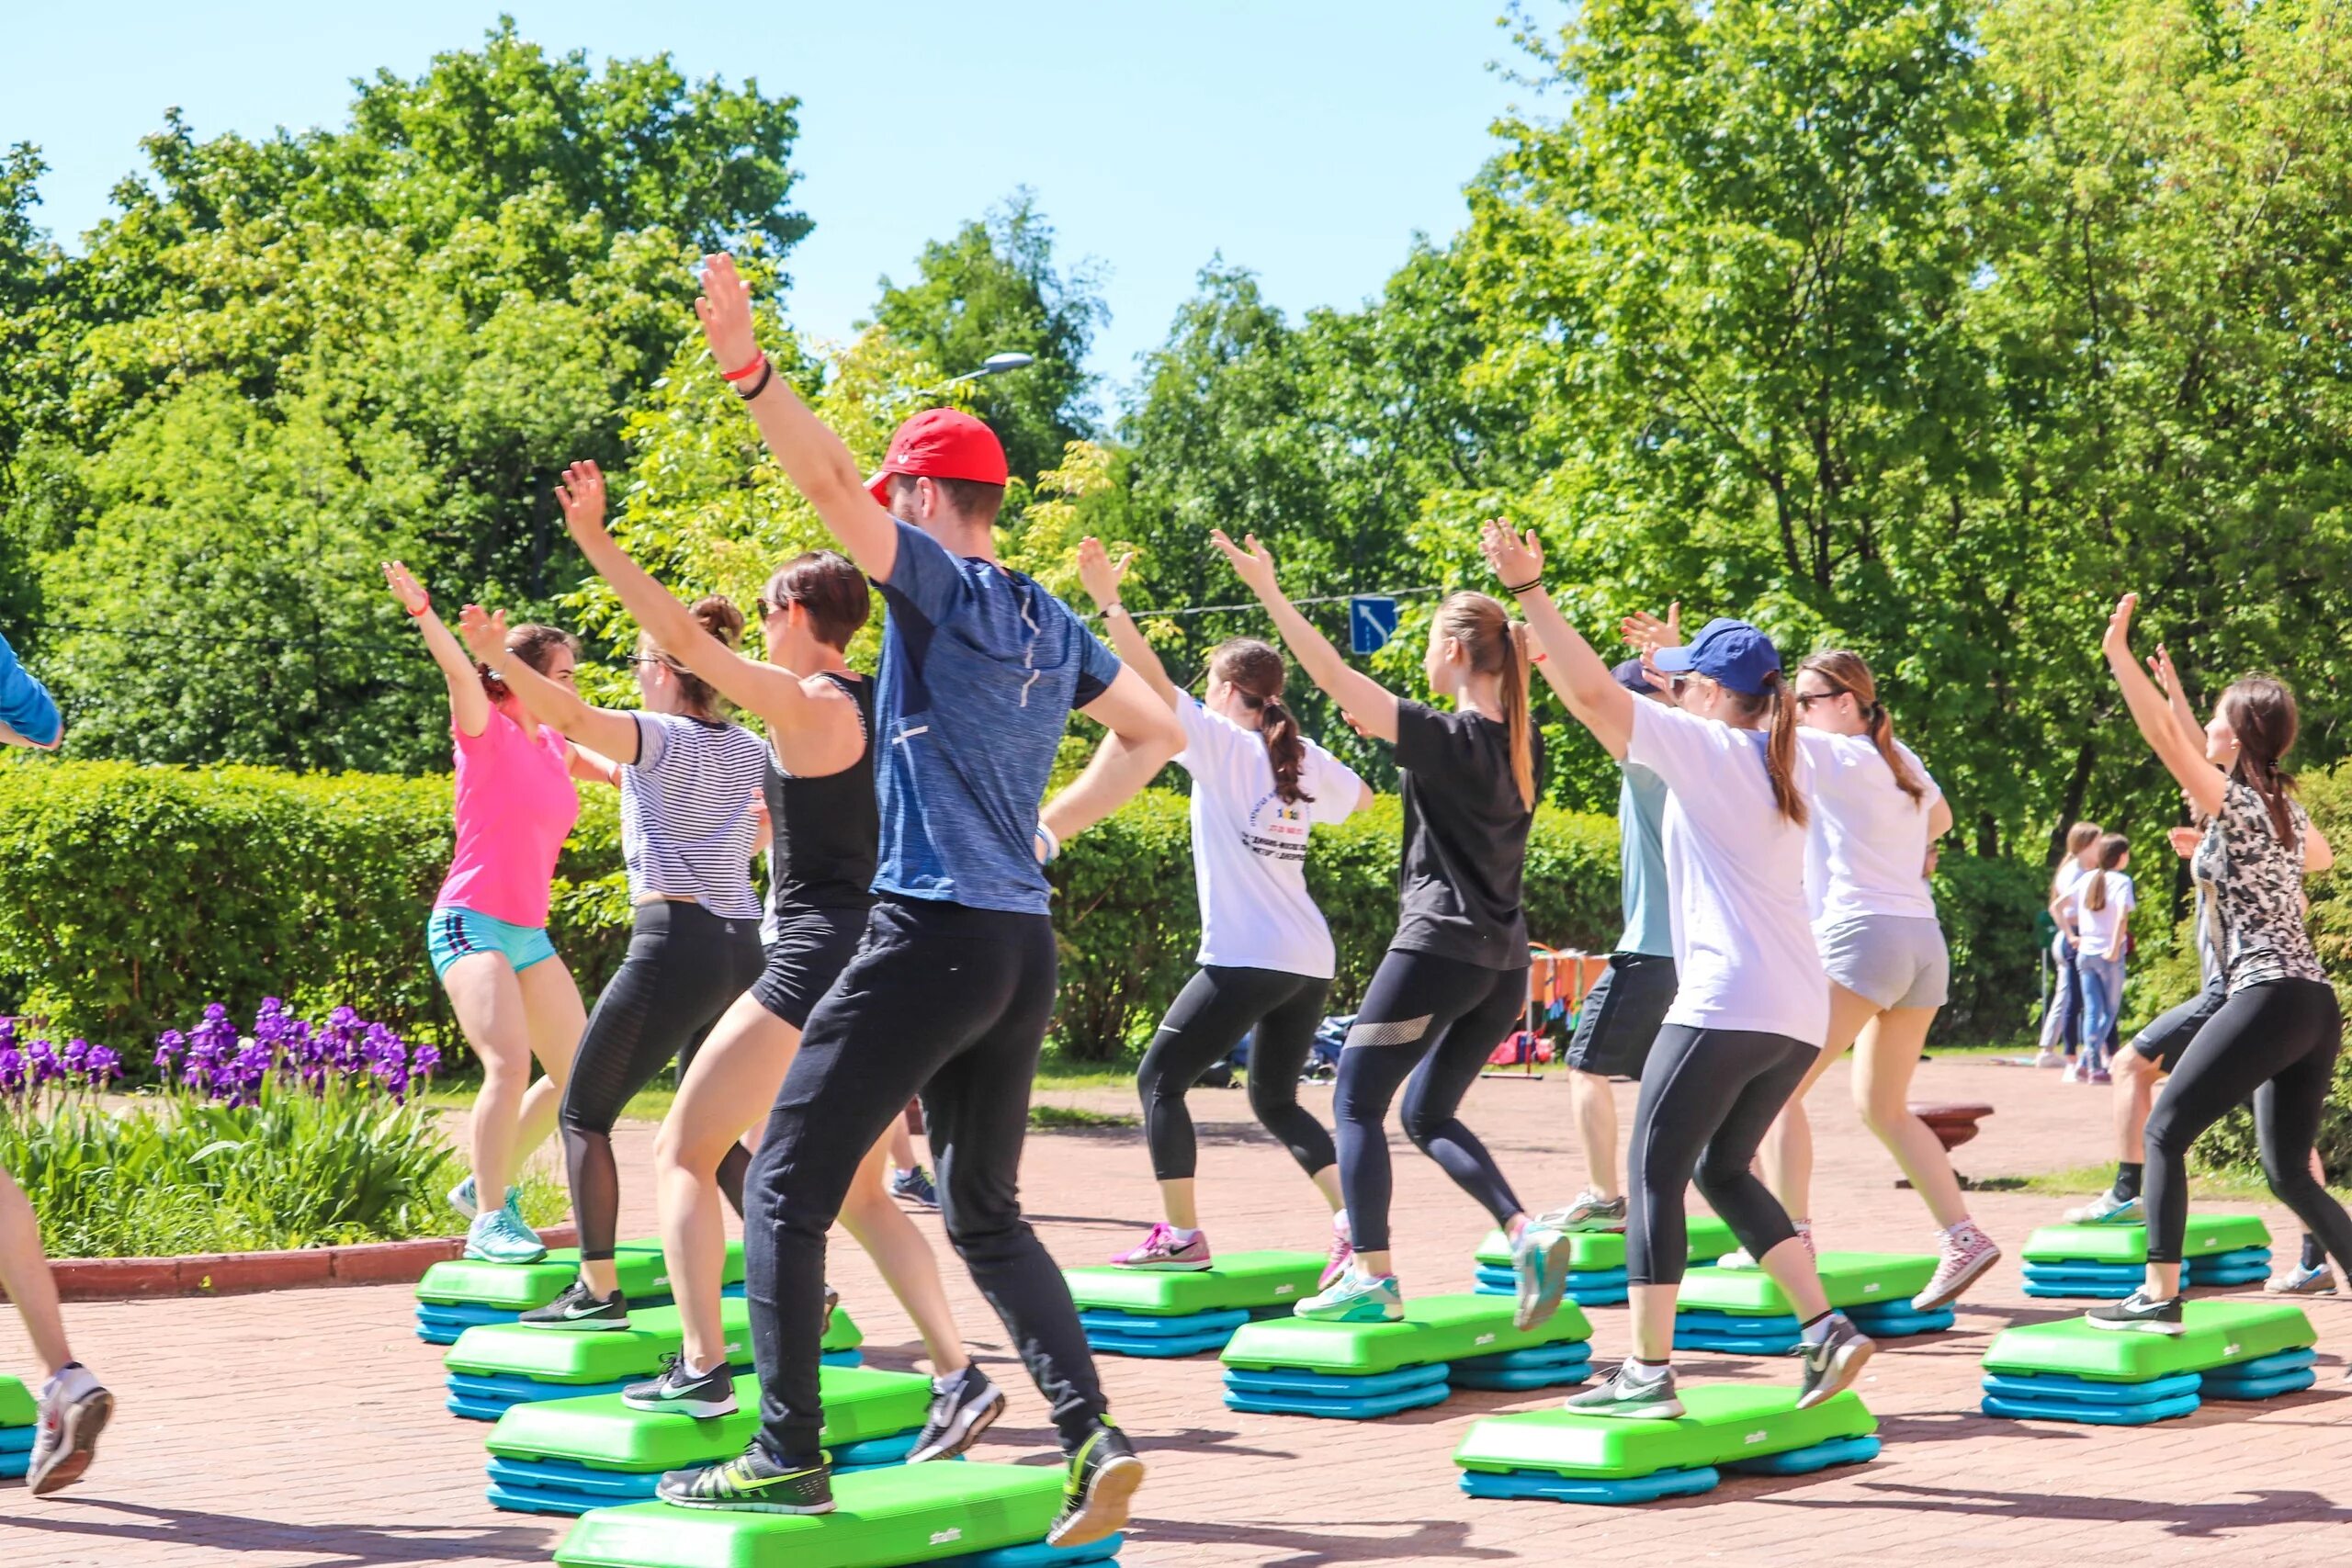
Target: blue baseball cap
{"x": 1634, "y": 679}
{"x": 1733, "y": 654}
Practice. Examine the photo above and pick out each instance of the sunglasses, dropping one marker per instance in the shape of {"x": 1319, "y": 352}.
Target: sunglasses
{"x": 1806, "y": 699}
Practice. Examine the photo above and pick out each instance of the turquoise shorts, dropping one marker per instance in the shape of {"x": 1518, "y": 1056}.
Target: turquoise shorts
{"x": 453, "y": 933}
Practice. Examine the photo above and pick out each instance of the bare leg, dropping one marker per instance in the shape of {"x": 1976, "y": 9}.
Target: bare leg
{"x": 1785, "y": 1159}
{"x": 1594, "y": 1105}
{"x": 1885, "y": 1062}
{"x": 1327, "y": 1181}
{"x": 907, "y": 1266}
{"x": 902, "y": 1145}
{"x": 1176, "y": 1201}
{"x": 551, "y": 1003}
{"x": 488, "y": 998}
{"x": 2135, "y": 1091}
{"x": 23, "y": 1273}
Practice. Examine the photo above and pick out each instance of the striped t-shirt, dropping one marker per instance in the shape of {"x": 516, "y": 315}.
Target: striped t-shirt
{"x": 689, "y": 819}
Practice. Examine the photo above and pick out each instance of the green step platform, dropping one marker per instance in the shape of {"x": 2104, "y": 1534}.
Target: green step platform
{"x": 1744, "y": 1428}
{"x": 567, "y": 1456}
{"x": 1741, "y": 1312}
{"x": 1596, "y": 1260}
{"x": 2069, "y": 1370}
{"x": 496, "y": 1367}
{"x": 19, "y": 1414}
{"x": 1168, "y": 1312}
{"x": 467, "y": 1293}
{"x": 2217, "y": 1250}
{"x": 1292, "y": 1366}
{"x": 978, "y": 1516}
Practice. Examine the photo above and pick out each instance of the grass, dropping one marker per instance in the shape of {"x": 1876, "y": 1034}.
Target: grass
{"x": 1056, "y": 1118}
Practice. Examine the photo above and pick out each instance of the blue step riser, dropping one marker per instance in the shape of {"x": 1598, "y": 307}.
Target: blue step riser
{"x": 474, "y": 1397}
{"x": 440, "y": 1323}
{"x": 560, "y": 1486}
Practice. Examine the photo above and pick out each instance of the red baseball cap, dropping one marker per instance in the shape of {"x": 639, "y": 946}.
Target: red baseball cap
{"x": 942, "y": 444}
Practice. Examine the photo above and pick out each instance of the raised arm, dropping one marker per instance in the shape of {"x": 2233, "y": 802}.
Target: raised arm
{"x": 2183, "y": 757}
{"x": 1370, "y": 706}
{"x": 599, "y": 730}
{"x": 1569, "y": 663}
{"x": 1144, "y": 737}
{"x": 2167, "y": 680}
{"x": 814, "y": 736}
{"x": 811, "y": 456}
{"x": 1101, "y": 577}
{"x": 468, "y": 704}
{"x": 29, "y": 715}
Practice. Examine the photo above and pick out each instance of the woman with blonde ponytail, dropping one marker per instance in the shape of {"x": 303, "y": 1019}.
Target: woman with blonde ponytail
{"x": 1454, "y": 981}
{"x": 1751, "y": 1004}
{"x": 1876, "y": 816}
{"x": 1259, "y": 788}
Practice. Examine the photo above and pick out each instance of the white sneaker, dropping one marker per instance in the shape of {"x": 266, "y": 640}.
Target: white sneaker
{"x": 1740, "y": 1257}
{"x": 2046, "y": 1057}
{"x": 73, "y": 1410}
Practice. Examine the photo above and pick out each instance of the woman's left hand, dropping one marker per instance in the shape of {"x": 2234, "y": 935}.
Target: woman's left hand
{"x": 2118, "y": 639}
{"x": 581, "y": 494}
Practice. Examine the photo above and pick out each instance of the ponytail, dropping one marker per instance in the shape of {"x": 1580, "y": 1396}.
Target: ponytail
{"x": 719, "y": 617}
{"x": 2110, "y": 855}
{"x": 1257, "y": 672}
{"x": 1848, "y": 673}
{"x": 1516, "y": 723}
{"x": 2262, "y": 715}
{"x": 1285, "y": 749}
{"x": 1781, "y": 749}
{"x": 1497, "y": 645}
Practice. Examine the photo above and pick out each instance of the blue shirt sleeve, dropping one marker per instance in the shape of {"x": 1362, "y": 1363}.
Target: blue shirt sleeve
{"x": 1097, "y": 665}
{"x": 26, "y": 706}
{"x": 926, "y": 578}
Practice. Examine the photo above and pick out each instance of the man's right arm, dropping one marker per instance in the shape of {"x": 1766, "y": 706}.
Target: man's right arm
{"x": 27, "y": 710}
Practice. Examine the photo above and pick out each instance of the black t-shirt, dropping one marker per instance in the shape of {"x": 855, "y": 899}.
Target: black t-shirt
{"x": 1465, "y": 839}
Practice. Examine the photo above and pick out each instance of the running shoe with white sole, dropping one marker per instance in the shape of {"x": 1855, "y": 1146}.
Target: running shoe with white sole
{"x": 2107, "y": 1209}
{"x": 1833, "y": 1361}
{"x": 2138, "y": 1313}
{"x": 2301, "y": 1281}
{"x": 1539, "y": 1267}
{"x": 913, "y": 1185}
{"x": 499, "y": 1237}
{"x": 74, "y": 1409}
{"x": 1343, "y": 1252}
{"x": 751, "y": 1483}
{"x": 2048, "y": 1059}
{"x": 1963, "y": 1254}
{"x": 1586, "y": 1211}
{"x": 1741, "y": 1258}
{"x": 579, "y": 1308}
{"x": 962, "y": 1407}
{"x": 681, "y": 1391}
{"x": 1161, "y": 1250}
{"x": 1355, "y": 1297}
{"x": 1630, "y": 1395}
{"x": 1104, "y": 1475}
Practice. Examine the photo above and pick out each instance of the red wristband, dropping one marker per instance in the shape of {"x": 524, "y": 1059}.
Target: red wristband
{"x": 420, "y": 608}
{"x": 746, "y": 373}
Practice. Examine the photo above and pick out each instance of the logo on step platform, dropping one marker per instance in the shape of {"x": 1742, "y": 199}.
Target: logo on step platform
{"x": 1483, "y": 1339}
{"x": 1284, "y": 1290}
{"x": 2229, "y": 1351}
{"x": 941, "y": 1537}
{"x": 1870, "y": 1289}
{"x": 1753, "y": 1437}
{"x": 734, "y": 1347}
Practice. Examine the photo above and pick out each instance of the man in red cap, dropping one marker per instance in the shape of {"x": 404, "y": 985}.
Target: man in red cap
{"x": 953, "y": 985}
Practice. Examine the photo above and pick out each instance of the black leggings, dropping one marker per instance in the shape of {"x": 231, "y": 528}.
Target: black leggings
{"x": 2277, "y": 1044}
{"x": 1215, "y": 1008}
{"x": 1708, "y": 1097}
{"x": 686, "y": 965}
{"x": 1437, "y": 1019}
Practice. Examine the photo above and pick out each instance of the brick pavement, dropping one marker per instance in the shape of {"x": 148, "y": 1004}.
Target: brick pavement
{"x": 304, "y": 1429}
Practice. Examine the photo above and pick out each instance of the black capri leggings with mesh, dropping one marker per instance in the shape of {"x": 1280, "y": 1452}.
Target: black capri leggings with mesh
{"x": 1708, "y": 1097}
{"x": 1216, "y": 1007}
{"x": 686, "y": 966}
{"x": 1437, "y": 1019}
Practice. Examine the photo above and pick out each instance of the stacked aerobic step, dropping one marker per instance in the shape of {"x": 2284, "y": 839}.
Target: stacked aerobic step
{"x": 567, "y": 1456}
{"x": 18, "y": 1415}
{"x": 2071, "y": 1372}
{"x": 1292, "y": 1366}
{"x": 1740, "y": 1312}
{"x": 1596, "y": 1260}
{"x": 496, "y": 1367}
{"x": 1165, "y": 1311}
{"x": 466, "y": 1293}
{"x": 967, "y": 1516}
{"x": 1747, "y": 1429}
{"x": 2109, "y": 1260}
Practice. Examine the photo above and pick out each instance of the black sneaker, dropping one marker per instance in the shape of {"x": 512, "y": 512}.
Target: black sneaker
{"x": 1833, "y": 1362}
{"x": 2138, "y": 1313}
{"x": 1103, "y": 1474}
{"x": 961, "y": 1408}
{"x": 1630, "y": 1397}
{"x": 681, "y": 1392}
{"x": 751, "y": 1483}
{"x": 913, "y": 1186}
{"x": 579, "y": 1308}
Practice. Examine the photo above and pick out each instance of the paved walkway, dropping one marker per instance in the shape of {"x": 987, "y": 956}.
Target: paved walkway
{"x": 304, "y": 1429}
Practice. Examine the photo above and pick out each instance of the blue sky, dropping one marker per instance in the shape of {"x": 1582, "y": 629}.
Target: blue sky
{"x": 1305, "y": 141}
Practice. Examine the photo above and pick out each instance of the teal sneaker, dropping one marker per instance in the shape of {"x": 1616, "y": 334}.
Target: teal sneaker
{"x": 1539, "y": 1266}
{"x": 1356, "y": 1298}
{"x": 500, "y": 1237}
{"x": 463, "y": 1197}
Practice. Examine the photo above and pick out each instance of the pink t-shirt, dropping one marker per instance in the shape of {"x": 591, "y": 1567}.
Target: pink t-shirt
{"x": 515, "y": 806}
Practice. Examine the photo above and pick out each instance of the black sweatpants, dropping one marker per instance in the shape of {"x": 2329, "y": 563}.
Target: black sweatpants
{"x": 951, "y": 1002}
{"x": 1216, "y": 1008}
{"x": 1708, "y": 1097}
{"x": 684, "y": 967}
{"x": 1437, "y": 1019}
{"x": 2274, "y": 1044}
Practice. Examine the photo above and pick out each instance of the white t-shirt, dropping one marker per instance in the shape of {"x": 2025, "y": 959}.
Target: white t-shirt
{"x": 1866, "y": 845}
{"x": 1744, "y": 952}
{"x": 2100, "y": 927}
{"x": 1250, "y": 846}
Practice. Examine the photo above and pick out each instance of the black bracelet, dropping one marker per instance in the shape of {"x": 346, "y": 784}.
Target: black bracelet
{"x": 1530, "y": 583}
{"x": 767, "y": 373}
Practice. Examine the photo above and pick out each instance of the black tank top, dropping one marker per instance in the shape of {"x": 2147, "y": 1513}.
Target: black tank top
{"x": 828, "y": 831}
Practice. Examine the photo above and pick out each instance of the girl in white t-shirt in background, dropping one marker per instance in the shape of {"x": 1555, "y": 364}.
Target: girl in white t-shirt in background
{"x": 1876, "y": 816}
{"x": 1751, "y": 1004}
{"x": 1259, "y": 786}
{"x": 2097, "y": 911}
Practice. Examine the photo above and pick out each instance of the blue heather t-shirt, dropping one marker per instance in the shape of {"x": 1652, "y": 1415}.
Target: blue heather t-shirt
{"x": 1641, "y": 859}
{"x": 980, "y": 668}
{"x": 24, "y": 704}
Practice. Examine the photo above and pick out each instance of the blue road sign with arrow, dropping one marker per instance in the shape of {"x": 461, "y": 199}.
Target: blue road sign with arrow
{"x": 1371, "y": 620}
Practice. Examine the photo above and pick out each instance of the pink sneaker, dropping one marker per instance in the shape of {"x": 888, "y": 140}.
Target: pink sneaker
{"x": 1160, "y": 1249}
{"x": 1343, "y": 1252}
{"x": 1965, "y": 1253}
